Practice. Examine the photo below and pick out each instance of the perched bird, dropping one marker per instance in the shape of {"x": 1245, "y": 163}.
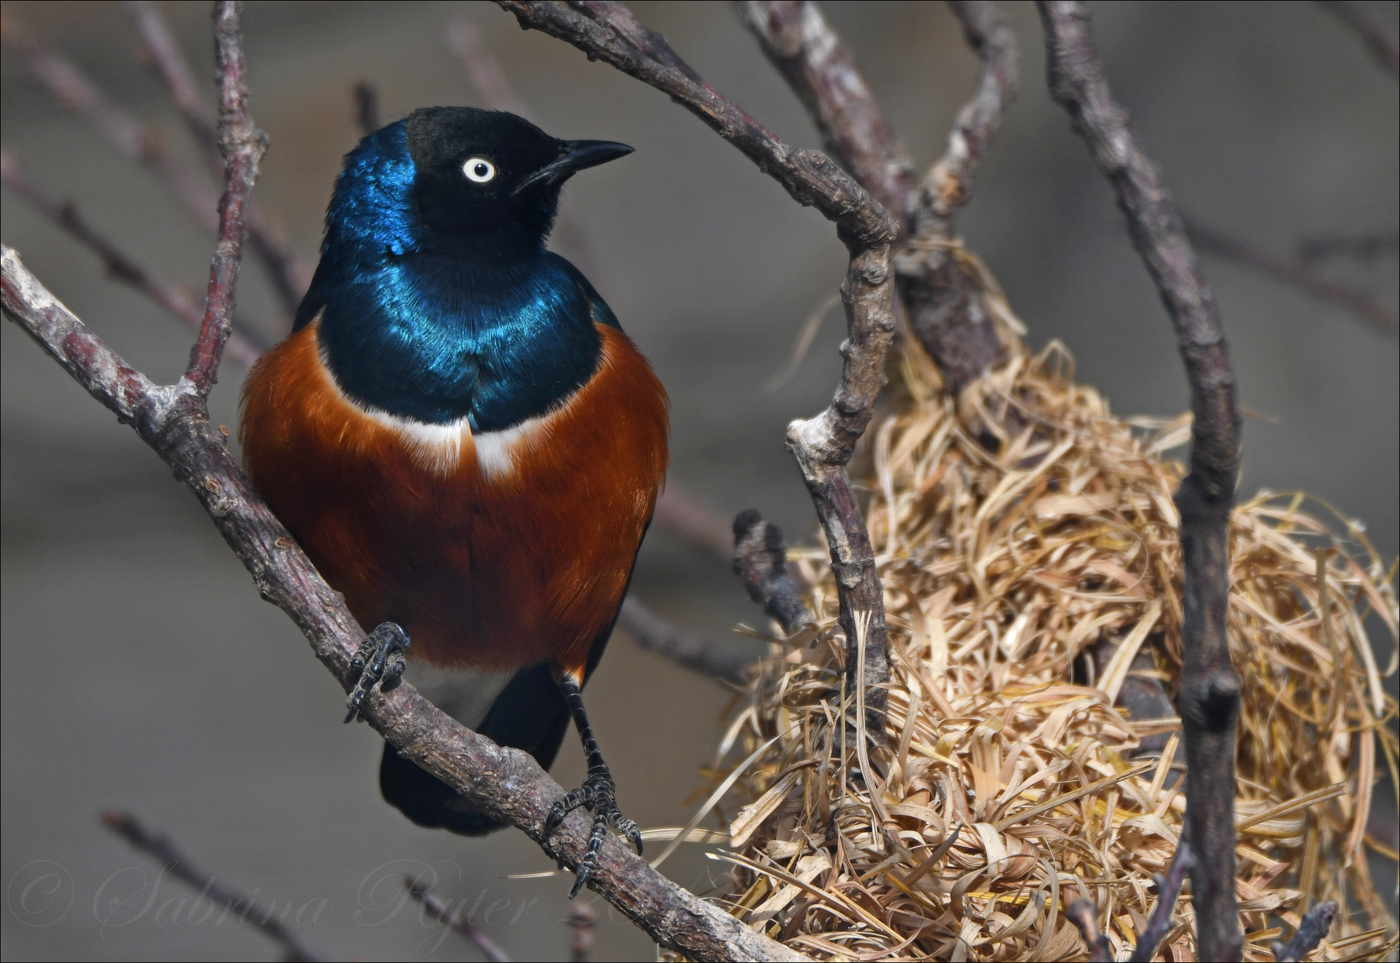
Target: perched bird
{"x": 463, "y": 440}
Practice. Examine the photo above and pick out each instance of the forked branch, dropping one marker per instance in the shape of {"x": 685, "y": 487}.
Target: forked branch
{"x": 822, "y": 445}
{"x": 506, "y": 785}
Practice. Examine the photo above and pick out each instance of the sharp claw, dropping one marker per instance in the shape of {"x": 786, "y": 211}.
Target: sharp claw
{"x": 378, "y": 660}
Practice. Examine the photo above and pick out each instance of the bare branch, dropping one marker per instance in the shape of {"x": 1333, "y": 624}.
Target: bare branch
{"x": 694, "y": 651}
{"x": 366, "y": 107}
{"x": 1363, "y": 247}
{"x": 243, "y": 146}
{"x": 822, "y": 445}
{"x": 1382, "y": 42}
{"x": 146, "y": 145}
{"x": 821, "y": 71}
{"x": 1210, "y": 690}
{"x": 445, "y": 915}
{"x": 122, "y": 268}
{"x": 483, "y": 69}
{"x": 947, "y": 310}
{"x": 1295, "y": 272}
{"x": 1085, "y": 916}
{"x": 133, "y": 139}
{"x": 1316, "y": 922}
{"x": 178, "y": 865}
{"x": 290, "y": 274}
{"x": 1168, "y": 889}
{"x": 172, "y": 67}
{"x": 760, "y": 559}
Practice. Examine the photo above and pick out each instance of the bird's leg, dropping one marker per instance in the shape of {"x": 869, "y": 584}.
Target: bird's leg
{"x": 379, "y": 659}
{"x": 598, "y": 794}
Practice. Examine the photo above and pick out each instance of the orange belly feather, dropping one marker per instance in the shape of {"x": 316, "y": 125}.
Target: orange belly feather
{"x": 494, "y": 552}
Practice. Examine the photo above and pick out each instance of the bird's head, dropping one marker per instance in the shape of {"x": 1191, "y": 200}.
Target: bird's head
{"x": 450, "y": 177}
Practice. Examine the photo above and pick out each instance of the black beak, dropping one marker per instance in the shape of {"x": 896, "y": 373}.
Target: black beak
{"x": 576, "y": 155}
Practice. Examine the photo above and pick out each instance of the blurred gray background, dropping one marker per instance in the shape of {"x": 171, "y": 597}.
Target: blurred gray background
{"x": 142, "y": 672}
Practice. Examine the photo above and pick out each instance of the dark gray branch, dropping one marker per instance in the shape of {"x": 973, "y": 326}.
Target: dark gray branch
{"x": 690, "y": 649}
{"x": 1168, "y": 889}
{"x": 822, "y": 445}
{"x": 1316, "y": 922}
{"x": 178, "y": 865}
{"x": 1210, "y": 689}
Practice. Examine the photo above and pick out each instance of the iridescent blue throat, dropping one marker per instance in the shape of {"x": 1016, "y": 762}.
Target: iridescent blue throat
{"x": 438, "y": 329}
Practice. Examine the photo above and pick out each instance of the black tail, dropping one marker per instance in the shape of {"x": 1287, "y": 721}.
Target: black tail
{"x": 529, "y": 714}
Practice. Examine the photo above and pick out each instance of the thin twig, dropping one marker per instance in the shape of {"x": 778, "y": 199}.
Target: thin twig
{"x": 697, "y": 652}
{"x": 134, "y": 139}
{"x": 1296, "y": 272}
{"x": 483, "y": 69}
{"x": 1363, "y": 247}
{"x": 1085, "y": 916}
{"x": 821, "y": 71}
{"x": 946, "y": 306}
{"x": 681, "y": 513}
{"x": 760, "y": 559}
{"x": 1311, "y": 931}
{"x": 581, "y": 919}
{"x": 445, "y": 915}
{"x": 174, "y": 70}
{"x": 119, "y": 266}
{"x": 243, "y": 146}
{"x": 1161, "y": 921}
{"x": 366, "y": 107}
{"x": 823, "y": 445}
{"x": 178, "y": 865}
{"x": 1209, "y": 698}
{"x": 1382, "y": 42}
{"x": 290, "y": 274}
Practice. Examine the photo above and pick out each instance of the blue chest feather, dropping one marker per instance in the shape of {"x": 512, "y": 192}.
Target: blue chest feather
{"x": 434, "y": 330}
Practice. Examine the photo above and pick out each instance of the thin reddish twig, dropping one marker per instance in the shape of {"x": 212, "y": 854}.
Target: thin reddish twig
{"x": 242, "y": 145}
{"x": 174, "y": 299}
{"x": 290, "y": 274}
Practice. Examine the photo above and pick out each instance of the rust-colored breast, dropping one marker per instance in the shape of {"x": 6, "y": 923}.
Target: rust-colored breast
{"x": 496, "y": 551}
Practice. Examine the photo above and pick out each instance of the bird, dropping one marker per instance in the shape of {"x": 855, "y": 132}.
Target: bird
{"x": 464, "y": 442}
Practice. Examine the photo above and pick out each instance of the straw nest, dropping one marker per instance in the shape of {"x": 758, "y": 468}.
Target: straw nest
{"x": 1012, "y": 784}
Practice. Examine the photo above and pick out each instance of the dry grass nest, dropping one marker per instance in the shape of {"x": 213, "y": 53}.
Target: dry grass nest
{"x": 1012, "y": 784}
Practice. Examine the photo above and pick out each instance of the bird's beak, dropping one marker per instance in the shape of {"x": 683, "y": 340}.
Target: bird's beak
{"x": 576, "y": 155}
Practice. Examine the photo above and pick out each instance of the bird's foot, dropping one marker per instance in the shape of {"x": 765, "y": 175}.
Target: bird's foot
{"x": 379, "y": 660}
{"x": 598, "y": 795}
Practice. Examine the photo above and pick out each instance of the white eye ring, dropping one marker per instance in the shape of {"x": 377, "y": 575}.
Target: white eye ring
{"x": 479, "y": 170}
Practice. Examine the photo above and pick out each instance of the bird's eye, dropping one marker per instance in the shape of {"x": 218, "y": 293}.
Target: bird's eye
{"x": 479, "y": 170}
